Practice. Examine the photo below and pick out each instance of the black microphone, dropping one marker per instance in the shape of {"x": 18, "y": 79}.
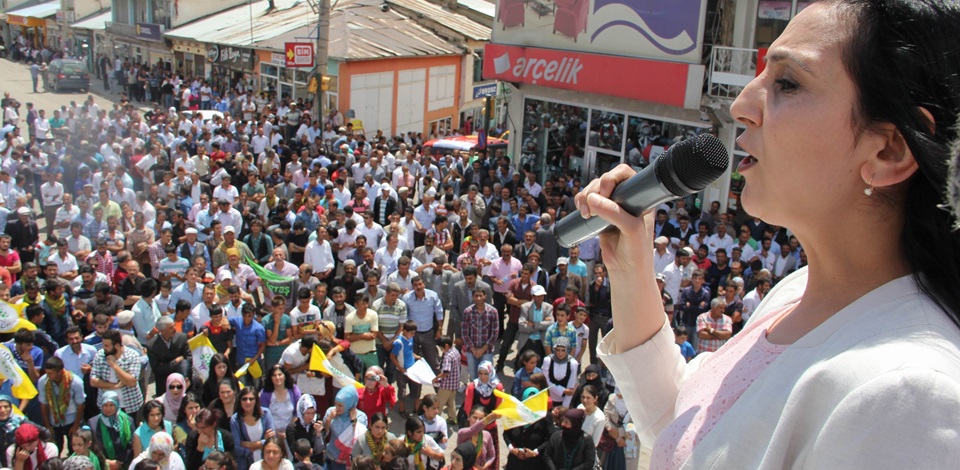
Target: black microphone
{"x": 686, "y": 168}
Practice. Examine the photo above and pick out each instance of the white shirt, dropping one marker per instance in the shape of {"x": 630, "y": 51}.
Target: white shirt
{"x": 750, "y": 303}
{"x": 715, "y": 241}
{"x": 345, "y": 237}
{"x": 64, "y": 265}
{"x": 229, "y": 193}
{"x": 52, "y": 193}
{"x": 319, "y": 256}
{"x": 375, "y": 235}
{"x": 660, "y": 262}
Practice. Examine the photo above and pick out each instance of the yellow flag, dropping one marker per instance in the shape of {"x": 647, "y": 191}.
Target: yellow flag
{"x": 514, "y": 413}
{"x": 319, "y": 362}
{"x": 252, "y": 368}
{"x": 202, "y": 350}
{"x": 9, "y": 370}
{"x": 11, "y": 318}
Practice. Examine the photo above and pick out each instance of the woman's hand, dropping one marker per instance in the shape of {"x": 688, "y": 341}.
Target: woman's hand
{"x": 628, "y": 252}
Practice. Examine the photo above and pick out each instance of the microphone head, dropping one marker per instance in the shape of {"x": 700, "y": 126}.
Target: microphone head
{"x": 689, "y": 166}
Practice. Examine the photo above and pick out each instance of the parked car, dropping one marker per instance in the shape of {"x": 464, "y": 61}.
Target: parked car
{"x": 64, "y": 74}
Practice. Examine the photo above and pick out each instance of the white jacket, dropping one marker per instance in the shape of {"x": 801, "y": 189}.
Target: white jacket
{"x": 877, "y": 385}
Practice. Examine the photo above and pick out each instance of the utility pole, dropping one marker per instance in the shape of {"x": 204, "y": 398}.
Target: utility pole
{"x": 322, "y": 8}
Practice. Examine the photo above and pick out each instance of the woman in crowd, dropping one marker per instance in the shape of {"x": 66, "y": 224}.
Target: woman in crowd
{"x": 113, "y": 430}
{"x": 344, "y": 423}
{"x": 219, "y": 461}
{"x": 561, "y": 372}
{"x": 153, "y": 423}
{"x": 423, "y": 453}
{"x": 81, "y": 443}
{"x": 523, "y": 438}
{"x": 161, "y": 451}
{"x": 251, "y": 426}
{"x": 852, "y": 117}
{"x": 207, "y": 437}
{"x": 569, "y": 447}
{"x": 9, "y": 422}
{"x": 624, "y": 455}
{"x": 186, "y": 419}
{"x": 225, "y": 404}
{"x": 528, "y": 367}
{"x": 480, "y": 438}
{"x": 273, "y": 456}
{"x": 464, "y": 457}
{"x": 594, "y": 420}
{"x": 375, "y": 440}
{"x": 306, "y": 426}
{"x": 591, "y": 376}
{"x": 171, "y": 399}
{"x": 434, "y": 424}
{"x": 280, "y": 396}
{"x": 479, "y": 393}
{"x": 377, "y": 392}
{"x": 220, "y": 369}
{"x": 28, "y": 452}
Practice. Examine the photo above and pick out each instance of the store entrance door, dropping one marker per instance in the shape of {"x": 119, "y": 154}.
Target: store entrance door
{"x": 286, "y": 90}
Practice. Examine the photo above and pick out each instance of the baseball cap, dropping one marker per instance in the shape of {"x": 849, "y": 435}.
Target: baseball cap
{"x": 563, "y": 260}
{"x": 538, "y": 290}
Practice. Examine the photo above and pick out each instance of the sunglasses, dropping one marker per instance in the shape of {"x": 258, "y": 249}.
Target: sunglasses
{"x": 249, "y": 399}
{"x": 176, "y": 387}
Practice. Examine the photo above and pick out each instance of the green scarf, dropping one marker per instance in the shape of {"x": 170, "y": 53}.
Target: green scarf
{"x": 93, "y": 459}
{"x": 414, "y": 449}
{"x": 121, "y": 424}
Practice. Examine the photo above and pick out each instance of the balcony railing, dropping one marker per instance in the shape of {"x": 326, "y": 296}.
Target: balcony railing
{"x": 731, "y": 69}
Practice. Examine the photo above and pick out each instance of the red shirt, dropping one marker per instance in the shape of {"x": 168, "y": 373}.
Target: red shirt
{"x": 8, "y": 259}
{"x": 376, "y": 401}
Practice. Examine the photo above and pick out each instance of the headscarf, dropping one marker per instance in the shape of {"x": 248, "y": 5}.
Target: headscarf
{"x": 468, "y": 453}
{"x": 112, "y": 421}
{"x": 119, "y": 422}
{"x": 306, "y": 402}
{"x": 78, "y": 462}
{"x": 160, "y": 442}
{"x": 26, "y": 434}
{"x": 529, "y": 392}
{"x": 171, "y": 406}
{"x": 563, "y": 342}
{"x": 13, "y": 422}
{"x": 576, "y": 417}
{"x": 486, "y": 389}
{"x": 349, "y": 397}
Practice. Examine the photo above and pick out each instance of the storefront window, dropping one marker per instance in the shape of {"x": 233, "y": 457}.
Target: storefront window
{"x": 554, "y": 135}
{"x": 269, "y": 70}
{"x": 478, "y": 66}
{"x": 606, "y": 131}
{"x": 440, "y": 127}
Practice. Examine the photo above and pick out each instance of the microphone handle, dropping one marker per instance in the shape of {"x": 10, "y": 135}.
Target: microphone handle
{"x": 635, "y": 195}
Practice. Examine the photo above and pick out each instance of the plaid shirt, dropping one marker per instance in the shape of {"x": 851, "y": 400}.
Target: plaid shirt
{"x": 553, "y": 332}
{"x": 480, "y": 328}
{"x": 131, "y": 398}
{"x": 705, "y": 321}
{"x": 104, "y": 263}
{"x": 450, "y": 365}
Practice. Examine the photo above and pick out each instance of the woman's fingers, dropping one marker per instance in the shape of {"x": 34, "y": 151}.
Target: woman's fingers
{"x": 604, "y": 186}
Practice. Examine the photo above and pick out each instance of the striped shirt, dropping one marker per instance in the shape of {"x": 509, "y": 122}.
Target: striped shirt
{"x": 390, "y": 316}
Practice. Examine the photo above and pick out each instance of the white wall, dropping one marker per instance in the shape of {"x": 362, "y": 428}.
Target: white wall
{"x": 411, "y": 93}
{"x": 371, "y": 98}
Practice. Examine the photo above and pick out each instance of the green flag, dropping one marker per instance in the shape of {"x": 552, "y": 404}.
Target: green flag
{"x": 279, "y": 285}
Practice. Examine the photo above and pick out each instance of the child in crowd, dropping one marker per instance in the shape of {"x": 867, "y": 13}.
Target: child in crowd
{"x": 686, "y": 349}
{"x": 448, "y": 382}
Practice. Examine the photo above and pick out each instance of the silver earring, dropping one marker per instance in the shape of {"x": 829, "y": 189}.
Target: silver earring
{"x": 869, "y": 190}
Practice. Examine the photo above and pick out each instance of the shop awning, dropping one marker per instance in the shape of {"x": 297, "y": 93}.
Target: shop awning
{"x": 94, "y": 23}
{"x": 33, "y": 16}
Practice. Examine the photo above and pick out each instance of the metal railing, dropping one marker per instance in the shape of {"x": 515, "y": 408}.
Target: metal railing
{"x": 730, "y": 70}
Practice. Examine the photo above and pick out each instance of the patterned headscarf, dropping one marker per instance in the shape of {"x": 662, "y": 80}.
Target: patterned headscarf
{"x": 78, "y": 462}
{"x": 306, "y": 402}
{"x": 161, "y": 442}
{"x": 486, "y": 389}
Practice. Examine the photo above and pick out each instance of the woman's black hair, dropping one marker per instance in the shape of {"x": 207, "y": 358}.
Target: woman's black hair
{"x": 257, "y": 410}
{"x": 427, "y": 401}
{"x": 153, "y": 405}
{"x": 527, "y": 355}
{"x": 188, "y": 398}
{"x": 211, "y": 387}
{"x": 902, "y": 57}
{"x": 222, "y": 459}
{"x": 268, "y": 383}
{"x": 593, "y": 391}
{"x": 413, "y": 424}
{"x": 376, "y": 418}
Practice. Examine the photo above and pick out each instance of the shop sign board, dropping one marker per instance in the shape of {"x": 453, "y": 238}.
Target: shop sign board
{"x": 298, "y": 54}
{"x": 669, "y": 30}
{"x": 149, "y": 31}
{"x": 229, "y": 56}
{"x": 670, "y": 83}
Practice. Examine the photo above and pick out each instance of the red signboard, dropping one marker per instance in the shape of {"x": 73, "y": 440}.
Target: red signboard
{"x": 298, "y": 54}
{"x": 669, "y": 83}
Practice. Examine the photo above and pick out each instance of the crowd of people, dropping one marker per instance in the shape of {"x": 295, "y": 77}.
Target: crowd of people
{"x": 275, "y": 238}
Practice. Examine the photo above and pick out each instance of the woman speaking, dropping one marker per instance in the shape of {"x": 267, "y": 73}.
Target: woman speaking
{"x": 853, "y": 362}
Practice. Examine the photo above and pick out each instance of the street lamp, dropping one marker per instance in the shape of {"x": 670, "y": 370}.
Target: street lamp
{"x": 322, "y": 9}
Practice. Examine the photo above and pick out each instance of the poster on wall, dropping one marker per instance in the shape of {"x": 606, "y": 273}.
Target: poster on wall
{"x": 656, "y": 29}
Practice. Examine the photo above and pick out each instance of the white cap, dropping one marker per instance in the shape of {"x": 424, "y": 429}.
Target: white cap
{"x": 224, "y": 275}
{"x": 431, "y": 192}
{"x": 191, "y": 230}
{"x": 229, "y": 229}
{"x": 563, "y": 260}
{"x": 661, "y": 240}
{"x": 386, "y": 187}
{"x": 23, "y": 211}
{"x": 125, "y": 317}
{"x": 538, "y": 290}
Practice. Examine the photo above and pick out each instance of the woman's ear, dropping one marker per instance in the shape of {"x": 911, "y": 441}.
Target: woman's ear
{"x": 893, "y": 163}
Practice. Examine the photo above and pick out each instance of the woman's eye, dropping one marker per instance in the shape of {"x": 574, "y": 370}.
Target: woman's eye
{"x": 786, "y": 85}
